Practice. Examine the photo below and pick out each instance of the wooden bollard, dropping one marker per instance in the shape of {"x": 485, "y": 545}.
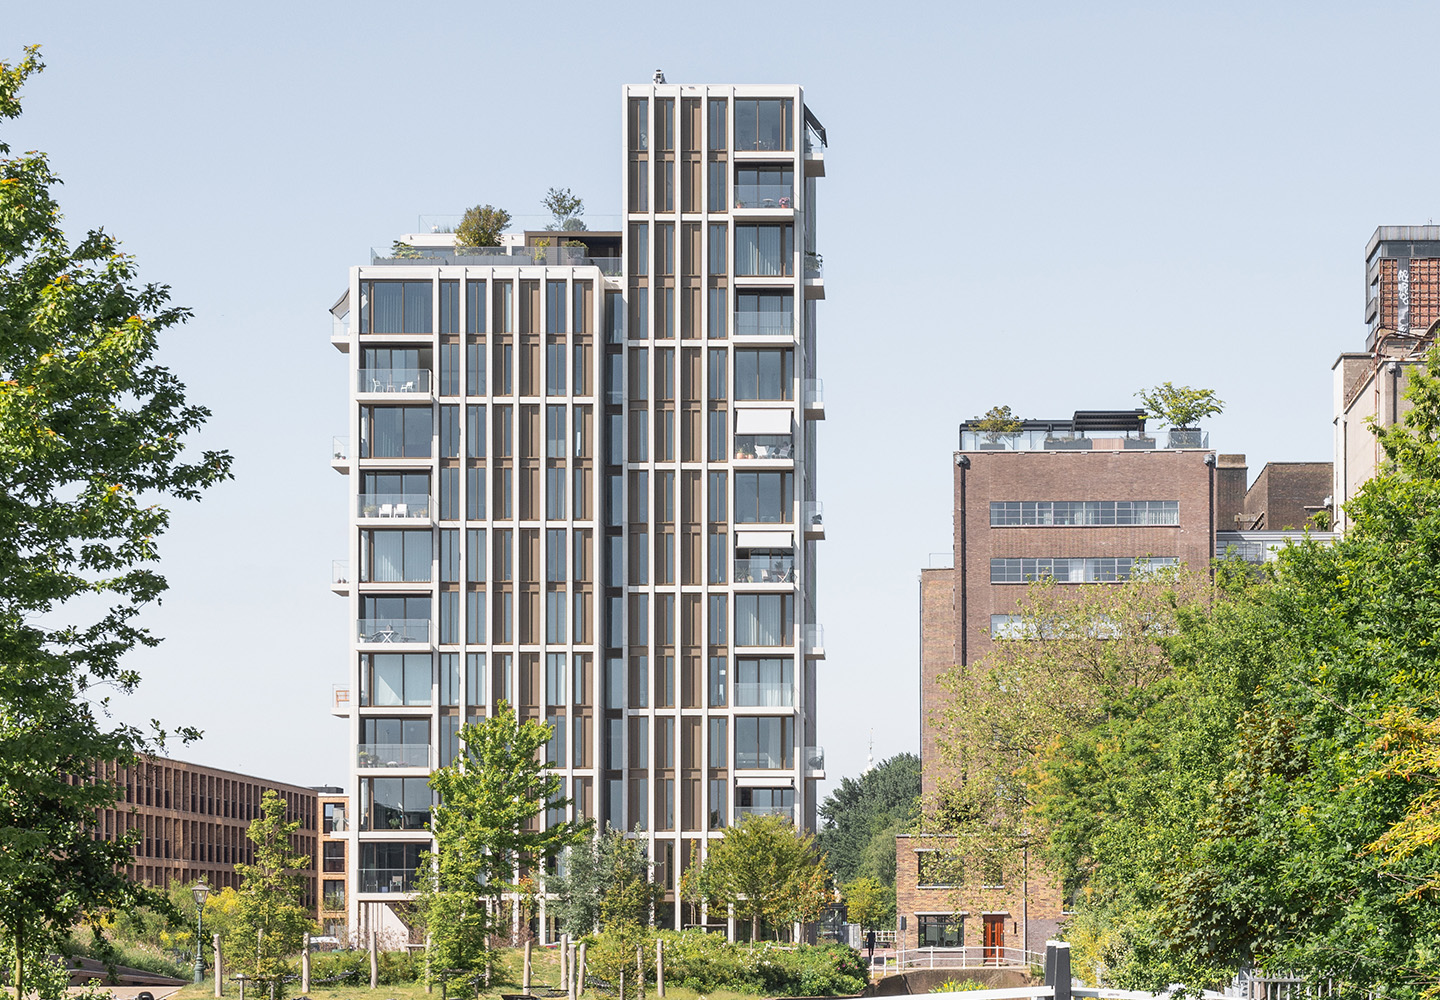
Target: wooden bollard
{"x": 565, "y": 962}
{"x": 640, "y": 969}
{"x": 579, "y": 969}
{"x": 525, "y": 984}
{"x": 305, "y": 964}
{"x": 659, "y": 967}
{"x": 567, "y": 958}
{"x": 219, "y": 973}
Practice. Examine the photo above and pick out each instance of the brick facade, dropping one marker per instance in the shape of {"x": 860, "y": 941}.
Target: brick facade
{"x": 1286, "y": 494}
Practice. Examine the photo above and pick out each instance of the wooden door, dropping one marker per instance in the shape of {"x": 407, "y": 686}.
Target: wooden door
{"x": 994, "y": 952}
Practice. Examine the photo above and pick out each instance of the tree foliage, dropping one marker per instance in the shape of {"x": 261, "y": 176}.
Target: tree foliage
{"x": 998, "y": 420}
{"x": 271, "y": 918}
{"x": 566, "y": 208}
{"x": 91, "y": 435}
{"x": 1180, "y": 405}
{"x": 860, "y": 820}
{"x": 604, "y": 880}
{"x": 764, "y": 868}
{"x": 488, "y": 836}
{"x": 866, "y": 902}
{"x": 481, "y": 226}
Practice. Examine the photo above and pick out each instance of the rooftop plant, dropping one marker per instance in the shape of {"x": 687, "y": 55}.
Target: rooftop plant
{"x": 481, "y": 226}
{"x": 1180, "y": 406}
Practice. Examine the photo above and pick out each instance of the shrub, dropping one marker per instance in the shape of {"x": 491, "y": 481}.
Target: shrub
{"x": 396, "y": 968}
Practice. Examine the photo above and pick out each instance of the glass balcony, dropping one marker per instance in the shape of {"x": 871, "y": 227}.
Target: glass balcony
{"x": 764, "y": 694}
{"x": 812, "y": 515}
{"x": 507, "y": 256}
{"x": 765, "y": 568}
{"x": 393, "y": 755}
{"x": 764, "y": 759}
{"x": 388, "y": 879}
{"x": 764, "y": 195}
{"x": 340, "y": 449}
{"x": 1117, "y": 440}
{"x": 814, "y": 758}
{"x": 814, "y": 392}
{"x": 787, "y": 811}
{"x": 764, "y": 446}
{"x": 765, "y": 324}
{"x": 340, "y": 571}
{"x": 393, "y": 380}
{"x": 813, "y": 638}
{"x": 394, "y": 630}
{"x": 412, "y": 505}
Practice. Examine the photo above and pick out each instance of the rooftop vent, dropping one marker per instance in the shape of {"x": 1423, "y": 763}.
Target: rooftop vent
{"x": 659, "y": 76}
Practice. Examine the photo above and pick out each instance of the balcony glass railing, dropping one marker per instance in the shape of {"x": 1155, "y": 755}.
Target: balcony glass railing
{"x": 340, "y": 449}
{"x": 500, "y": 256}
{"x": 1119, "y": 440}
{"x": 394, "y": 630}
{"x": 764, "y": 195}
{"x": 393, "y": 755}
{"x": 812, "y": 514}
{"x": 765, "y": 324}
{"x": 814, "y": 391}
{"x": 765, "y": 569}
{"x": 787, "y": 811}
{"x": 764, "y": 759}
{"x": 764, "y": 694}
{"x": 393, "y": 380}
{"x": 764, "y": 446}
{"x": 340, "y": 571}
{"x": 393, "y": 505}
{"x": 814, "y": 758}
{"x": 813, "y": 637}
{"x": 388, "y": 879}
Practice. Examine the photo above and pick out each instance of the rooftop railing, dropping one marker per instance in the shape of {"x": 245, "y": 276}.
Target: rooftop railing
{"x": 512, "y": 256}
{"x": 1095, "y": 440}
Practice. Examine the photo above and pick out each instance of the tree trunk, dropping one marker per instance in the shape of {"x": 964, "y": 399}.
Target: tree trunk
{"x": 20, "y": 958}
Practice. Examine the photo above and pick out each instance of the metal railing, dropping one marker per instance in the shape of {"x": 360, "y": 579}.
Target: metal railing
{"x": 764, "y": 446}
{"x": 812, "y": 637}
{"x": 968, "y": 957}
{"x": 1118, "y": 440}
{"x": 814, "y": 758}
{"x": 340, "y": 571}
{"x": 393, "y": 755}
{"x": 765, "y": 569}
{"x": 340, "y": 448}
{"x": 394, "y": 630}
{"x": 761, "y": 694}
{"x": 393, "y": 380}
{"x": 388, "y": 879}
{"x": 764, "y": 195}
{"x": 765, "y": 324}
{"x": 409, "y": 505}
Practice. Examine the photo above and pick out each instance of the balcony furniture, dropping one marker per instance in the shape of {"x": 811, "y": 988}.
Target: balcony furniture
{"x": 784, "y": 202}
{"x": 383, "y": 635}
{"x": 402, "y": 510}
{"x": 386, "y": 509}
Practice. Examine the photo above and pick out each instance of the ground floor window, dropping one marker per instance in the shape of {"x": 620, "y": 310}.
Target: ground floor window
{"x": 941, "y": 930}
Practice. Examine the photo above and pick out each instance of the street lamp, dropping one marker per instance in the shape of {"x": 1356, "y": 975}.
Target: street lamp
{"x": 200, "y": 890}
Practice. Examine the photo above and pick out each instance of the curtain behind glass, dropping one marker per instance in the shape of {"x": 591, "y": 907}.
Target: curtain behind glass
{"x": 386, "y": 307}
{"x": 417, "y": 307}
{"x": 387, "y": 559}
{"x": 389, "y": 674}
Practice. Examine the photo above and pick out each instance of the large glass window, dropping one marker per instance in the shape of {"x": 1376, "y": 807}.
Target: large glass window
{"x": 764, "y": 619}
{"x": 715, "y": 129}
{"x": 764, "y": 741}
{"x": 767, "y": 682}
{"x": 555, "y": 367}
{"x": 394, "y": 742}
{"x": 764, "y": 186}
{"x": 764, "y": 373}
{"x": 391, "y": 618}
{"x": 395, "y": 369}
{"x": 395, "y": 431}
{"x": 395, "y": 679}
{"x": 395, "y": 307}
{"x": 718, "y": 174}
{"x": 389, "y": 867}
{"x": 765, "y": 251}
{"x": 394, "y": 494}
{"x": 764, "y": 497}
{"x": 395, "y": 556}
{"x": 395, "y": 803}
{"x": 474, "y": 308}
{"x": 1083, "y": 512}
{"x": 941, "y": 930}
{"x": 765, "y": 123}
{"x": 1107, "y": 569}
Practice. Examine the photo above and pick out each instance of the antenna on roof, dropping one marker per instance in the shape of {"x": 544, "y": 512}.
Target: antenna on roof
{"x": 659, "y": 76}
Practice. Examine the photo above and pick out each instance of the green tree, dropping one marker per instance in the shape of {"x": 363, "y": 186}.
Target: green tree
{"x": 866, "y": 903}
{"x": 271, "y": 919}
{"x": 1180, "y": 406}
{"x": 91, "y": 435}
{"x": 488, "y": 836}
{"x": 604, "y": 880}
{"x": 764, "y": 868}
{"x": 997, "y": 422}
{"x": 481, "y": 226}
{"x": 566, "y": 208}
{"x": 861, "y": 818}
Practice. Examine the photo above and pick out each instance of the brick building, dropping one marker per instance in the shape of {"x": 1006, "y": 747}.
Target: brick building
{"x": 194, "y": 820}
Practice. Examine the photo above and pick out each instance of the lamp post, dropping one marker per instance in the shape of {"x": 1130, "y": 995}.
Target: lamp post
{"x": 200, "y": 890}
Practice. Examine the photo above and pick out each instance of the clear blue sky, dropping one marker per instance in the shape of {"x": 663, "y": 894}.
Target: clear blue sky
{"x": 1044, "y": 205}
